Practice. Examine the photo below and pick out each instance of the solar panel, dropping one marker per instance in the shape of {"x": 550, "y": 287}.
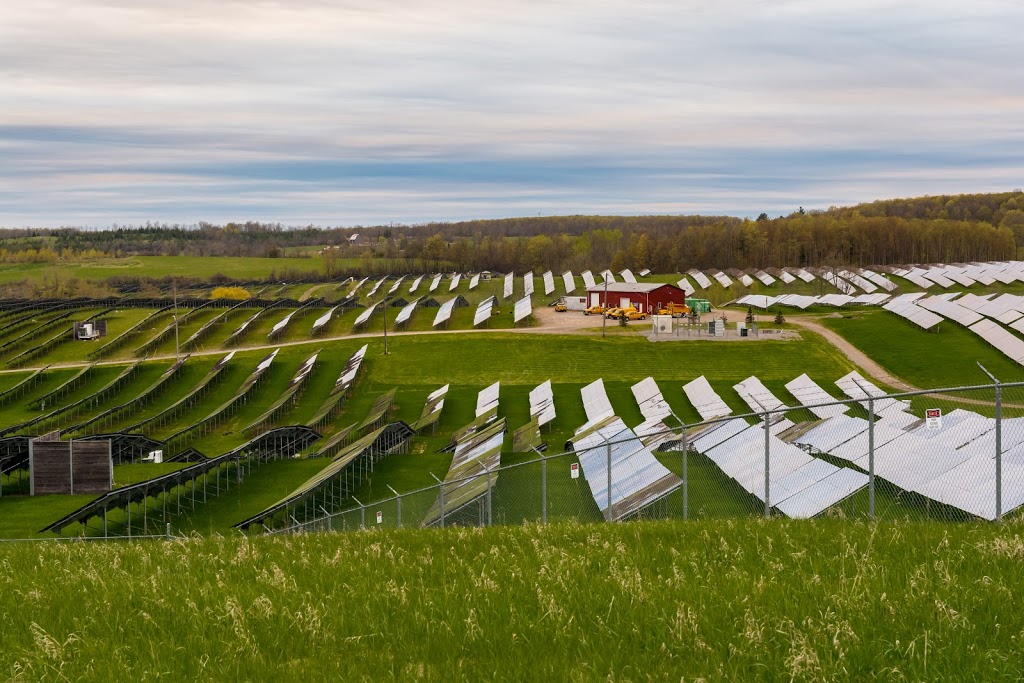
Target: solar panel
{"x": 870, "y": 299}
{"x": 799, "y": 484}
{"x": 356, "y": 287}
{"x": 627, "y": 276}
{"x": 705, "y": 400}
{"x": 757, "y": 396}
{"x": 653, "y": 405}
{"x": 588, "y": 279}
{"x": 432, "y": 408}
{"x": 569, "y": 282}
{"x": 456, "y": 279}
{"x": 595, "y": 401}
{"x": 322, "y": 321}
{"x": 855, "y": 386}
{"x": 487, "y": 399}
{"x": 483, "y": 310}
{"x": 758, "y": 300}
{"x": 685, "y": 285}
{"x": 549, "y": 282}
{"x": 700, "y": 278}
{"x": 839, "y": 283}
{"x": 406, "y": 312}
{"x": 834, "y": 299}
{"x": 1004, "y": 341}
{"x": 645, "y": 272}
{"x": 509, "y": 285}
{"x": 376, "y": 286}
{"x": 879, "y": 279}
{"x": 950, "y": 310}
{"x": 281, "y": 324}
{"x": 435, "y": 283}
{"x": 786, "y": 277}
{"x": 746, "y": 280}
{"x": 542, "y": 403}
{"x": 765, "y": 278}
{"x": 523, "y": 309}
{"x": 637, "y": 478}
{"x": 796, "y": 300}
{"x": 937, "y": 276}
{"x": 807, "y": 392}
{"x": 474, "y": 281}
{"x": 396, "y": 285}
{"x": 722, "y": 278}
{"x": 912, "y": 312}
{"x": 365, "y": 315}
{"x": 528, "y": 284}
{"x": 445, "y": 311}
{"x": 608, "y": 276}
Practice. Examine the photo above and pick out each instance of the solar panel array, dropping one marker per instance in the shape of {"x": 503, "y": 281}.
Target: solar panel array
{"x": 281, "y": 324}
{"x": 528, "y": 284}
{"x": 858, "y": 281}
{"x": 708, "y": 403}
{"x": 608, "y": 276}
{"x": 746, "y": 280}
{"x": 456, "y": 279}
{"x": 355, "y": 288}
{"x": 376, "y": 286}
{"x": 685, "y": 285}
{"x": 483, "y": 310}
{"x": 542, "y": 404}
{"x": 950, "y": 310}
{"x": 569, "y": 282}
{"x": 808, "y": 393}
{"x": 509, "y": 285}
{"x": 474, "y": 281}
{"x": 523, "y": 309}
{"x": 549, "y": 282}
{"x": 786, "y": 277}
{"x": 487, "y": 400}
{"x": 365, "y": 315}
{"x": 700, "y": 278}
{"x": 627, "y": 276}
{"x": 653, "y": 405}
{"x": 322, "y": 321}
{"x": 396, "y": 285}
{"x": 954, "y": 465}
{"x": 435, "y": 282}
{"x": 856, "y": 387}
{"x": 799, "y": 485}
{"x": 432, "y": 408}
{"x": 471, "y": 474}
{"x": 445, "y": 311}
{"x": 765, "y": 278}
{"x": 1003, "y": 340}
{"x": 407, "y": 311}
{"x": 416, "y": 284}
{"x": 645, "y": 272}
{"x": 839, "y": 283}
{"x": 637, "y": 478}
{"x": 802, "y": 274}
{"x": 879, "y": 279}
{"x": 906, "y": 308}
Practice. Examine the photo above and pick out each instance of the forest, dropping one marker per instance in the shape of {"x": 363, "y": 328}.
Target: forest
{"x": 934, "y": 229}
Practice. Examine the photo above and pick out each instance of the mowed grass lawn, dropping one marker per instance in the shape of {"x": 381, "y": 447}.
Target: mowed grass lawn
{"x": 945, "y": 357}
{"x": 712, "y": 600}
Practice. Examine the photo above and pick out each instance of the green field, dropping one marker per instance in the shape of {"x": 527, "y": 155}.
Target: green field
{"x": 725, "y": 600}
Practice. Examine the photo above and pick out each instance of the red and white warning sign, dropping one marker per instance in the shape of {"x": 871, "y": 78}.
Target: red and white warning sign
{"x": 933, "y": 418}
{"x": 380, "y": 516}
{"x": 574, "y": 470}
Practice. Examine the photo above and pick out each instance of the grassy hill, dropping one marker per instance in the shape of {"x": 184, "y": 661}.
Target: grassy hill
{"x": 725, "y": 600}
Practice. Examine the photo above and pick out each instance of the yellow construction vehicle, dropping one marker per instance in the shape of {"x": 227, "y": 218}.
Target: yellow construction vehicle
{"x": 675, "y": 310}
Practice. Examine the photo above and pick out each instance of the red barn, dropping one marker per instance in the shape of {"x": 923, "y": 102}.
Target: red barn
{"x": 643, "y": 296}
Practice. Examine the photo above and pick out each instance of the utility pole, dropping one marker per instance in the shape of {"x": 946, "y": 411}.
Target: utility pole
{"x": 385, "y": 302}
{"x": 177, "y": 350}
{"x": 604, "y": 315}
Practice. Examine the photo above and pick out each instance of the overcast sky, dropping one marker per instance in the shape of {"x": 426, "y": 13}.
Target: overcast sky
{"x": 344, "y": 113}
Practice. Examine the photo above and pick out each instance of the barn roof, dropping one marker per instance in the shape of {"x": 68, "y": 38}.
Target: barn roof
{"x": 631, "y": 287}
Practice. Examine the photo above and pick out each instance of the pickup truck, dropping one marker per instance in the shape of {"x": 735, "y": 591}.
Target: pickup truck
{"x": 594, "y": 310}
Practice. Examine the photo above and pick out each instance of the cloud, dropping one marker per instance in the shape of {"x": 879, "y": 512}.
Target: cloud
{"x": 343, "y": 112}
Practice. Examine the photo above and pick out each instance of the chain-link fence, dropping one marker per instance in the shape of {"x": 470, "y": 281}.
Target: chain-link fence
{"x": 953, "y": 454}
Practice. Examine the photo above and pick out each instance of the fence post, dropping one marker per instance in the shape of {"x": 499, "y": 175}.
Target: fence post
{"x": 398, "y": 511}
{"x": 999, "y": 452}
{"x": 440, "y": 495}
{"x": 543, "y": 490}
{"x": 686, "y": 489}
{"x": 767, "y": 468}
{"x": 608, "y": 448}
{"x": 871, "y": 457}
{"x": 490, "y": 519}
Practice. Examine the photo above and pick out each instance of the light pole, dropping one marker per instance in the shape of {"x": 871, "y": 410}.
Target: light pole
{"x": 385, "y": 303}
{"x": 604, "y": 314}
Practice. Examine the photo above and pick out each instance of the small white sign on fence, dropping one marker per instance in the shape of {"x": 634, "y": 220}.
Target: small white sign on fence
{"x": 574, "y": 470}
{"x": 380, "y": 516}
{"x": 933, "y": 418}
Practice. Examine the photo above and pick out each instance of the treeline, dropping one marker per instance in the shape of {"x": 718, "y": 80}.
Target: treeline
{"x": 919, "y": 230}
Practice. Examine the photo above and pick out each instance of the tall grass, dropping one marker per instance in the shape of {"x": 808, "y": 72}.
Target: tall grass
{"x": 733, "y": 600}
